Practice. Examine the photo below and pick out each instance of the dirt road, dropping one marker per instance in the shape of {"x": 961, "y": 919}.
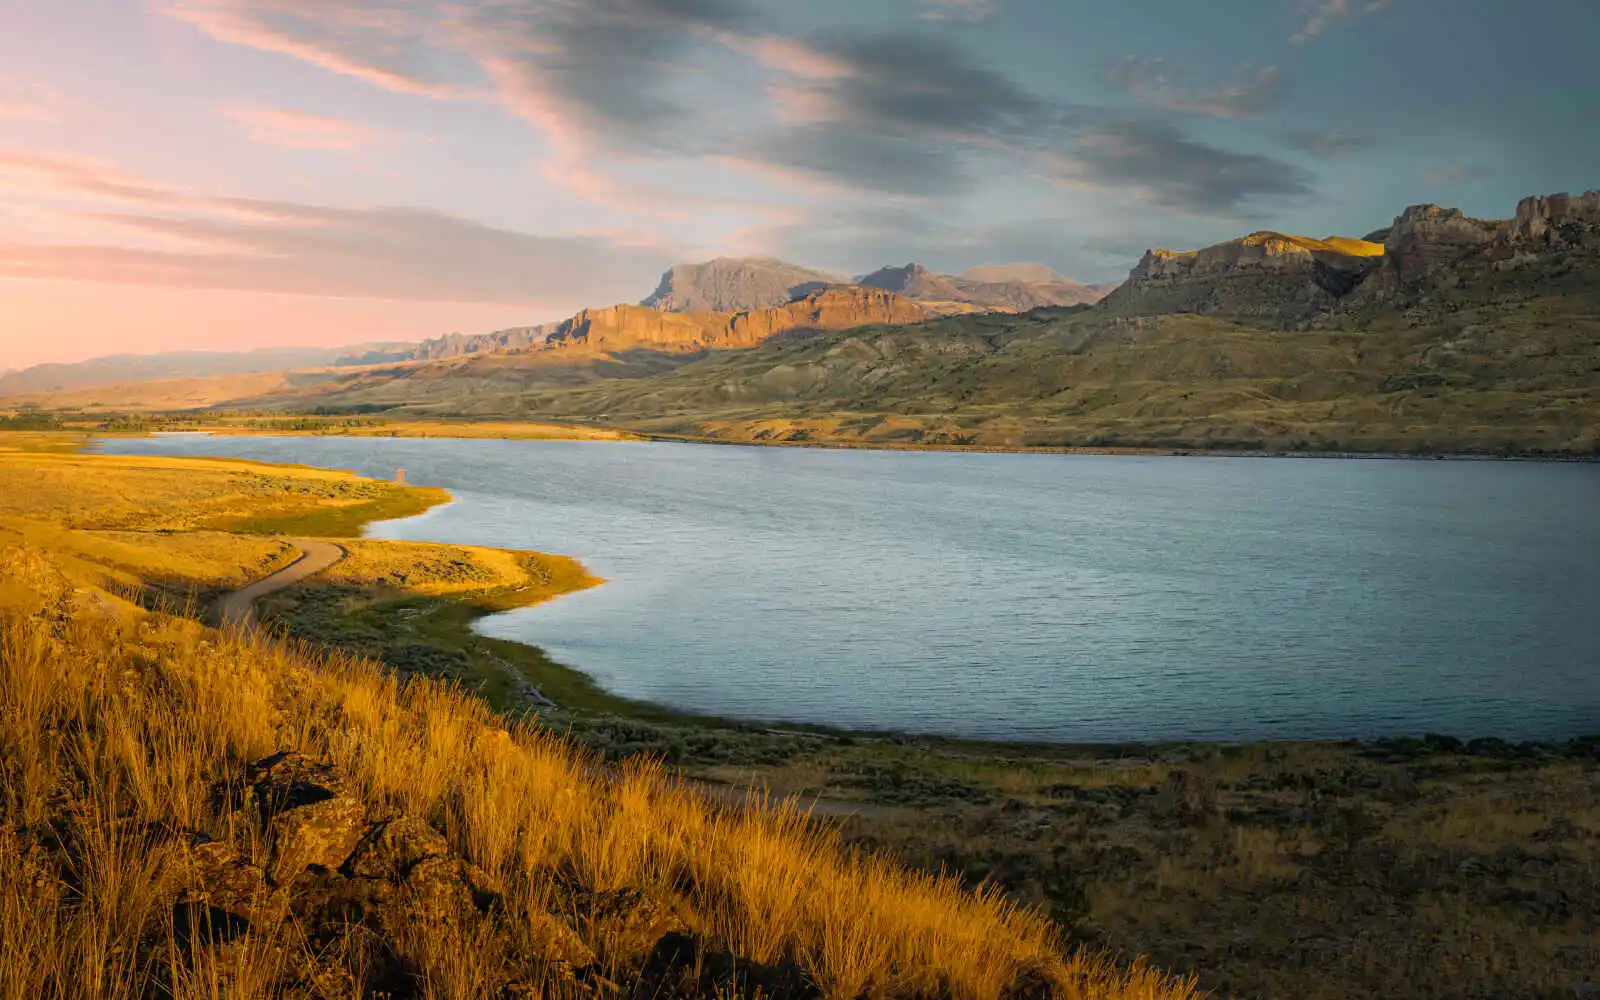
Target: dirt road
{"x": 239, "y": 607}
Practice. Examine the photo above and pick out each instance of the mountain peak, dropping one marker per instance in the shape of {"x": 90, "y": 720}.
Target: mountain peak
{"x": 735, "y": 284}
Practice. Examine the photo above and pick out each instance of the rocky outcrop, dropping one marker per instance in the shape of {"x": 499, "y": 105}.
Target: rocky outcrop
{"x": 1427, "y": 238}
{"x": 1557, "y": 220}
{"x": 1001, "y": 287}
{"x": 735, "y": 284}
{"x": 1265, "y": 275}
{"x": 455, "y": 345}
{"x": 1430, "y": 247}
{"x": 622, "y": 328}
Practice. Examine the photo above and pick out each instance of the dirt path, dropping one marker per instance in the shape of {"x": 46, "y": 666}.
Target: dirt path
{"x": 239, "y": 607}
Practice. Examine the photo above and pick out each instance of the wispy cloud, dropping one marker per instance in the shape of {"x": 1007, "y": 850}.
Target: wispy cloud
{"x": 835, "y": 114}
{"x": 1454, "y": 174}
{"x": 29, "y": 100}
{"x": 1329, "y": 144}
{"x": 1249, "y": 94}
{"x": 966, "y": 10}
{"x": 301, "y": 129}
{"x": 384, "y": 42}
{"x": 294, "y": 248}
{"x": 1165, "y": 168}
{"x": 1322, "y": 13}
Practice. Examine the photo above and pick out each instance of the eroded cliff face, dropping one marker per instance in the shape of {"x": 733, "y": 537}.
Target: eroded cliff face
{"x": 1265, "y": 275}
{"x": 1429, "y": 248}
{"x": 1558, "y": 221}
{"x": 624, "y": 327}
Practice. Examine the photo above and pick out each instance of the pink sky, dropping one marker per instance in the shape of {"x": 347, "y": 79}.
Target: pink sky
{"x": 69, "y": 321}
{"x": 242, "y": 173}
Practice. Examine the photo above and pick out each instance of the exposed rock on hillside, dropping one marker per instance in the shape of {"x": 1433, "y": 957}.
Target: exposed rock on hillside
{"x": 624, "y": 327}
{"x": 1011, "y": 287}
{"x": 1266, "y": 275}
{"x": 735, "y": 284}
{"x": 1558, "y": 220}
{"x": 1426, "y": 238}
{"x": 455, "y": 345}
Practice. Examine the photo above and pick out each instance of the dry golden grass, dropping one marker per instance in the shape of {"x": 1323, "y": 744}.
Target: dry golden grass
{"x": 197, "y": 559}
{"x": 147, "y": 494}
{"x": 456, "y": 570}
{"x": 118, "y": 732}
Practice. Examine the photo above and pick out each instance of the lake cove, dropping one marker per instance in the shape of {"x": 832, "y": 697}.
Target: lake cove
{"x": 1050, "y": 598}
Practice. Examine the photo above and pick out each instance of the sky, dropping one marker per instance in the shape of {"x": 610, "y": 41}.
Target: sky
{"x": 219, "y": 174}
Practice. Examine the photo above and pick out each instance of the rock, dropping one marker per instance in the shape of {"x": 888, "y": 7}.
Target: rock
{"x": 223, "y": 880}
{"x": 1185, "y": 798}
{"x": 736, "y": 284}
{"x": 1013, "y": 288}
{"x": 446, "y": 888}
{"x": 323, "y": 834}
{"x": 1557, "y": 219}
{"x": 310, "y": 819}
{"x": 1427, "y": 239}
{"x": 391, "y": 850}
{"x": 1264, "y": 275}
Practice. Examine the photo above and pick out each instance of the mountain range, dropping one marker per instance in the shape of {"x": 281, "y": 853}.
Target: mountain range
{"x": 1437, "y": 333}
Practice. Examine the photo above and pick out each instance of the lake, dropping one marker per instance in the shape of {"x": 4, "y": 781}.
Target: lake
{"x": 1055, "y": 598}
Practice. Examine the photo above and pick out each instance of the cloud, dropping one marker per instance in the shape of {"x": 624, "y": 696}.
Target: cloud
{"x": 1251, "y": 95}
{"x": 904, "y": 113}
{"x": 966, "y": 10}
{"x": 601, "y": 73}
{"x": 301, "y": 129}
{"x": 618, "y": 82}
{"x": 54, "y": 173}
{"x": 27, "y": 100}
{"x": 1322, "y": 13}
{"x": 287, "y": 247}
{"x": 1329, "y": 144}
{"x": 1453, "y": 175}
{"x": 1165, "y": 168}
{"x": 383, "y": 42}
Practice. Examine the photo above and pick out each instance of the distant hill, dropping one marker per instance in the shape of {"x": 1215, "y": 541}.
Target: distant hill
{"x": 131, "y": 368}
{"x": 1455, "y": 334}
{"x": 1008, "y": 287}
{"x": 735, "y": 284}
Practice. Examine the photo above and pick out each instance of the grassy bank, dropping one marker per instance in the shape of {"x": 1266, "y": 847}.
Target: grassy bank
{"x": 1408, "y": 869}
{"x": 191, "y": 813}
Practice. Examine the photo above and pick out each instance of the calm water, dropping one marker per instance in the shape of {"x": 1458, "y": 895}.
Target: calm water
{"x": 1066, "y": 598}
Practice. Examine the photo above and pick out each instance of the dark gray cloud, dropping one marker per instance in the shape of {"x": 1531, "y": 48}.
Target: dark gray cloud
{"x": 1177, "y": 172}
{"x": 1248, "y": 94}
{"x": 918, "y": 83}
{"x": 1329, "y": 144}
{"x": 853, "y": 157}
{"x": 602, "y": 71}
{"x": 906, "y": 113}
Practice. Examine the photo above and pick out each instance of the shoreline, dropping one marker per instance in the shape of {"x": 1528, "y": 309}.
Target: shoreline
{"x": 1129, "y": 451}
{"x": 589, "y": 432}
{"x": 593, "y": 701}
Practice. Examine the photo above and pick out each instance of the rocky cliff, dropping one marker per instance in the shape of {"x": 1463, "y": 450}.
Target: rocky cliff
{"x": 735, "y": 284}
{"x": 624, "y": 327}
{"x": 1265, "y": 275}
{"x": 1428, "y": 249}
